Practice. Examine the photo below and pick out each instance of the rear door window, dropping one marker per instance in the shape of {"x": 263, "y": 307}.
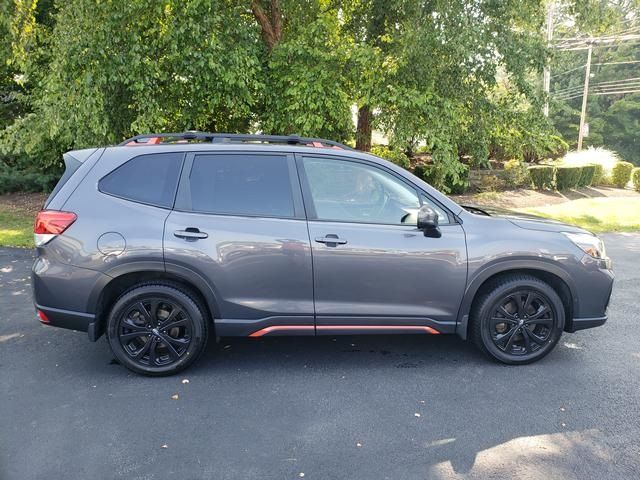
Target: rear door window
{"x": 150, "y": 179}
{"x": 245, "y": 184}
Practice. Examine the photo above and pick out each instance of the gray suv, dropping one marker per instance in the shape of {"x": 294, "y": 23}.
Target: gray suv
{"x": 167, "y": 239}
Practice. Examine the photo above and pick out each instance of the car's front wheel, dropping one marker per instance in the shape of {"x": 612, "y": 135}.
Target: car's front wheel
{"x": 157, "y": 329}
{"x": 518, "y": 319}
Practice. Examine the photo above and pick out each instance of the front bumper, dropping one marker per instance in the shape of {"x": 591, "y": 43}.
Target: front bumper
{"x": 594, "y": 296}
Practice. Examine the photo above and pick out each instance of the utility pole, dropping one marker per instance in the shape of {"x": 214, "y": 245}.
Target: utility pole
{"x": 546, "y": 79}
{"x": 585, "y": 94}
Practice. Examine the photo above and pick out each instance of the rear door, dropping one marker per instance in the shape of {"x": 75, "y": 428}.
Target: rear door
{"x": 239, "y": 224}
{"x": 374, "y": 271}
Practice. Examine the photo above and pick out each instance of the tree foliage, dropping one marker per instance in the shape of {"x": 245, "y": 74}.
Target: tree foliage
{"x": 457, "y": 78}
{"x": 614, "y": 120}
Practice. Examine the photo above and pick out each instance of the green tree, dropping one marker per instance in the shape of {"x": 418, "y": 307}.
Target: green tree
{"x": 120, "y": 68}
{"x": 304, "y": 58}
{"x": 612, "y": 118}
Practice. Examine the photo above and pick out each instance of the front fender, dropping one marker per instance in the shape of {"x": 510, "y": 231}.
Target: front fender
{"x": 506, "y": 265}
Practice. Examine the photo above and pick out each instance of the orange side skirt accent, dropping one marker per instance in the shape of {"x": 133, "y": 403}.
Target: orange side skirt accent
{"x": 421, "y": 328}
{"x": 276, "y": 328}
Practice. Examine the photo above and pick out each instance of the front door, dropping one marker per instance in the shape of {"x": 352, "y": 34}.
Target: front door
{"x": 374, "y": 271}
{"x": 239, "y": 225}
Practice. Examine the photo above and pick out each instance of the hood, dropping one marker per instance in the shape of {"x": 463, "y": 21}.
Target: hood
{"x": 524, "y": 220}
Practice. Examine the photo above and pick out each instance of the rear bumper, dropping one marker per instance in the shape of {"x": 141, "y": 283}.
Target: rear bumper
{"x": 83, "y": 322}
{"x": 584, "y": 323}
{"x": 62, "y": 293}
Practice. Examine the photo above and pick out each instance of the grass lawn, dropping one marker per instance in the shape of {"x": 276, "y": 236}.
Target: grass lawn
{"x": 16, "y": 227}
{"x": 601, "y": 214}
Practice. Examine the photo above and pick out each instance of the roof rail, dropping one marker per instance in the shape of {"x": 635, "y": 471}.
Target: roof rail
{"x": 156, "y": 138}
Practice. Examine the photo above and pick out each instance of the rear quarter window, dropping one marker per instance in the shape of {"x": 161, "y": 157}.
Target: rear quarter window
{"x": 150, "y": 179}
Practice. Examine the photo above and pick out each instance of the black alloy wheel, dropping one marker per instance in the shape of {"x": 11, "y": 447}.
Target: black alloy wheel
{"x": 517, "y": 319}
{"x": 157, "y": 329}
{"x": 521, "y": 322}
{"x": 155, "y": 332}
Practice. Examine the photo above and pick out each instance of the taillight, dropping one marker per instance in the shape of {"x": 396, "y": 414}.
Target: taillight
{"x": 50, "y": 223}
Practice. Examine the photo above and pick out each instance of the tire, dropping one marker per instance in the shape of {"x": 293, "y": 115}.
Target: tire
{"x": 157, "y": 328}
{"x": 518, "y": 319}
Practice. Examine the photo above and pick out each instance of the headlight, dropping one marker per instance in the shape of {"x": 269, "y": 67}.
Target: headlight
{"x": 589, "y": 244}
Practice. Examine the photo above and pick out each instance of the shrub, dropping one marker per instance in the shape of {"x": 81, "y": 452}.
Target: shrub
{"x": 588, "y": 172}
{"x": 621, "y": 174}
{"x": 491, "y": 183}
{"x": 567, "y": 177}
{"x": 429, "y": 174}
{"x": 434, "y": 177}
{"x": 395, "y": 156}
{"x": 598, "y": 175}
{"x": 542, "y": 176}
{"x": 516, "y": 173}
{"x": 17, "y": 181}
{"x": 594, "y": 156}
{"x": 635, "y": 178}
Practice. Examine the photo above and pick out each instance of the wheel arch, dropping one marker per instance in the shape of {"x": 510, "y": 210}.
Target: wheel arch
{"x": 548, "y": 272}
{"x": 121, "y": 279}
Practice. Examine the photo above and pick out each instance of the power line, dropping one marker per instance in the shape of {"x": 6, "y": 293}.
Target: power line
{"x": 594, "y": 64}
{"x": 617, "y": 93}
{"x": 619, "y": 81}
{"x": 609, "y": 86}
{"x": 630, "y": 89}
{"x": 568, "y": 71}
{"x": 617, "y": 63}
{"x": 602, "y": 46}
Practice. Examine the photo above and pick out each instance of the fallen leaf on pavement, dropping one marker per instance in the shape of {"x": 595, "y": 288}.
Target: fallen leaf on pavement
{"x": 175, "y": 397}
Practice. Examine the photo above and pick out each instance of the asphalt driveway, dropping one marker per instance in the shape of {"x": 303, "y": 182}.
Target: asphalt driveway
{"x": 395, "y": 407}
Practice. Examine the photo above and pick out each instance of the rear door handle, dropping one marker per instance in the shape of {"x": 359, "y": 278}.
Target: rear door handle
{"x": 331, "y": 240}
{"x": 191, "y": 234}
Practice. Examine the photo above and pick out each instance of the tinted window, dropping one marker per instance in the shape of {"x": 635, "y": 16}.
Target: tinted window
{"x": 246, "y": 184}
{"x": 148, "y": 179}
{"x": 355, "y": 192}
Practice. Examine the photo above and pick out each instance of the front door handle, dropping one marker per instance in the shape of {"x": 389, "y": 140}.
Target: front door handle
{"x": 331, "y": 240}
{"x": 190, "y": 234}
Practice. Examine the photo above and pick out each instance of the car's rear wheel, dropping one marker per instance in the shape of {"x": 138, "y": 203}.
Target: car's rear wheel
{"x": 518, "y": 319}
{"x": 157, "y": 329}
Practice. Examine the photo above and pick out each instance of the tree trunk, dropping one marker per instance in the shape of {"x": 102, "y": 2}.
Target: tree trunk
{"x": 363, "y": 130}
{"x": 270, "y": 22}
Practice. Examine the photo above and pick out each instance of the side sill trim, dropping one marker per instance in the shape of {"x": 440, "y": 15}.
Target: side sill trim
{"x": 279, "y": 328}
{"x": 385, "y": 328}
{"x": 293, "y": 329}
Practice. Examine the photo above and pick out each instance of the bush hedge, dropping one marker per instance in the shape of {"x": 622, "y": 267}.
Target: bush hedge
{"x": 567, "y": 177}
{"x": 621, "y": 174}
{"x": 599, "y": 177}
{"x": 395, "y": 156}
{"x": 542, "y": 176}
{"x": 635, "y": 178}
{"x": 586, "y": 178}
{"x": 429, "y": 174}
{"x": 516, "y": 173}
{"x": 17, "y": 181}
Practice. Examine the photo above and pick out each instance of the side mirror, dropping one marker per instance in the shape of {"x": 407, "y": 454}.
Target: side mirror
{"x": 428, "y": 222}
